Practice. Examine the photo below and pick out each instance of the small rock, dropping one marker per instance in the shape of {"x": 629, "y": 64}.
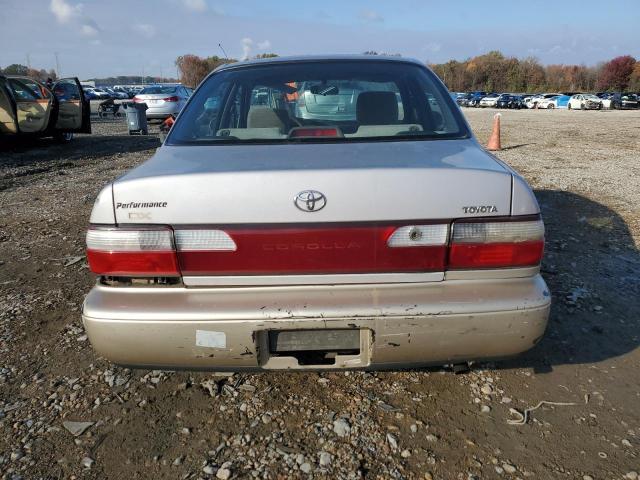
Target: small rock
{"x": 76, "y": 428}
{"x": 509, "y": 468}
{"x": 208, "y": 469}
{"x": 428, "y": 476}
{"x": 405, "y": 453}
{"x": 325, "y": 459}
{"x": 341, "y": 427}
{"x": 185, "y": 431}
{"x": 633, "y": 475}
{"x": 223, "y": 474}
{"x": 499, "y": 470}
{"x": 393, "y": 442}
{"x": 431, "y": 438}
{"x": 87, "y": 462}
{"x": 587, "y": 477}
{"x": 305, "y": 467}
{"x": 178, "y": 461}
{"x": 266, "y": 418}
{"x": 485, "y": 408}
{"x": 413, "y": 428}
{"x": 626, "y": 443}
{"x": 487, "y": 389}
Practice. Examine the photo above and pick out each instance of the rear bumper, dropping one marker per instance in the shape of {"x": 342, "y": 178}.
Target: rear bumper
{"x": 162, "y": 112}
{"x": 402, "y": 325}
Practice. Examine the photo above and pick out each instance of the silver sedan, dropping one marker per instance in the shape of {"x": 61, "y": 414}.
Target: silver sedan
{"x": 383, "y": 236}
{"x": 163, "y": 100}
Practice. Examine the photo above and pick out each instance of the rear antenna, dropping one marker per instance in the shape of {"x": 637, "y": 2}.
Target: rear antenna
{"x": 226, "y": 57}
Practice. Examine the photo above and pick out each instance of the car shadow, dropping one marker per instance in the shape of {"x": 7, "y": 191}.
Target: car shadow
{"x": 23, "y": 151}
{"x": 592, "y": 268}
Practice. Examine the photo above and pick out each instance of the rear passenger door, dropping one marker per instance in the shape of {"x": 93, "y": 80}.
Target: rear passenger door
{"x": 33, "y": 104}
{"x": 73, "y": 107}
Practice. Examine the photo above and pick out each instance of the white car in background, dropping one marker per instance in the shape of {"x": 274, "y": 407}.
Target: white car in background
{"x": 490, "y": 100}
{"x": 549, "y": 103}
{"x": 585, "y": 101}
{"x": 534, "y": 102}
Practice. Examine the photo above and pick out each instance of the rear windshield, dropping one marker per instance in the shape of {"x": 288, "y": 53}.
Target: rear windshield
{"x": 319, "y": 101}
{"x": 157, "y": 90}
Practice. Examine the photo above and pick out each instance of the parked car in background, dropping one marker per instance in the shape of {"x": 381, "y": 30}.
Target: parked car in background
{"x": 507, "y": 100}
{"x": 95, "y": 93}
{"x": 29, "y": 108}
{"x": 116, "y": 94}
{"x": 255, "y": 239}
{"x": 548, "y": 102}
{"x": 163, "y": 100}
{"x": 535, "y": 100}
{"x": 584, "y": 101}
{"x": 476, "y": 97}
{"x": 490, "y": 100}
{"x": 626, "y": 100}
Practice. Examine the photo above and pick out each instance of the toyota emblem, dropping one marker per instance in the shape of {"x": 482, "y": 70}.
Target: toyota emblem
{"x": 310, "y": 200}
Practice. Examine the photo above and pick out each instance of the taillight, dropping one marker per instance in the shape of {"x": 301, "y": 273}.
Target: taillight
{"x": 496, "y": 244}
{"x": 132, "y": 252}
{"x": 137, "y": 100}
{"x": 171, "y": 99}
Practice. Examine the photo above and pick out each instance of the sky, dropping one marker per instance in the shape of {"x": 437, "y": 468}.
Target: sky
{"x": 98, "y": 38}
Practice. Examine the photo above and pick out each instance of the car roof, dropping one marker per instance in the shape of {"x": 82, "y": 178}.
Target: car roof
{"x": 318, "y": 58}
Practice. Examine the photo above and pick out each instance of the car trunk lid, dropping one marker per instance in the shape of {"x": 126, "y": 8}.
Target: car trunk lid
{"x": 363, "y": 193}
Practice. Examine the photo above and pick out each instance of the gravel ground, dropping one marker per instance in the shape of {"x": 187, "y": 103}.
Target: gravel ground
{"x": 408, "y": 424}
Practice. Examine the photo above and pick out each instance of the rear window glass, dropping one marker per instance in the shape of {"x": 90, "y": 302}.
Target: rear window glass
{"x": 319, "y": 101}
{"x": 157, "y": 90}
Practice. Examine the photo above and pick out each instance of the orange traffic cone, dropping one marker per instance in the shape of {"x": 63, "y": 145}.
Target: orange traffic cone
{"x": 494, "y": 139}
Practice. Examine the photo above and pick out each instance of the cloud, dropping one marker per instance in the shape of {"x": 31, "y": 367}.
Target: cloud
{"x": 88, "y": 30}
{"x": 63, "y": 11}
{"x": 144, "y": 29}
{"x": 247, "y": 44}
{"x": 263, "y": 45}
{"x": 432, "y": 47}
{"x": 371, "y": 16}
{"x": 195, "y": 5}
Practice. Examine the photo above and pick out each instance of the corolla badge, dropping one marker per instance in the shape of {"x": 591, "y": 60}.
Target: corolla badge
{"x": 310, "y": 200}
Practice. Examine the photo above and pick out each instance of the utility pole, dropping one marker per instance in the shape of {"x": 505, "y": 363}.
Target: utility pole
{"x": 29, "y": 60}
{"x": 58, "y": 73}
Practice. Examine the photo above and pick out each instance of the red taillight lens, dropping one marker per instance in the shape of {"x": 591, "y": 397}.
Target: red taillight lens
{"x": 314, "y": 250}
{"x": 137, "y": 100}
{"x": 315, "y": 132}
{"x": 494, "y": 244}
{"x": 132, "y": 252}
{"x": 171, "y": 99}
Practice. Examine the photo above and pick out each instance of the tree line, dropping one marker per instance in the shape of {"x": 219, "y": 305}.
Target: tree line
{"x": 494, "y": 72}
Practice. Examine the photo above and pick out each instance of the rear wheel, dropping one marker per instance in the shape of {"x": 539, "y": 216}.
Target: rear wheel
{"x": 551, "y": 105}
{"x": 63, "y": 137}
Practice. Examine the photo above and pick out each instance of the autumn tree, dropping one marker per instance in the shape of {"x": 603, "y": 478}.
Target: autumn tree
{"x": 616, "y": 74}
{"x": 634, "y": 79}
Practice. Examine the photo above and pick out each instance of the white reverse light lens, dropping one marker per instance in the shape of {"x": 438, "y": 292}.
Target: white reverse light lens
{"x": 123, "y": 240}
{"x": 419, "y": 236}
{"x": 498, "y": 232}
{"x": 210, "y": 240}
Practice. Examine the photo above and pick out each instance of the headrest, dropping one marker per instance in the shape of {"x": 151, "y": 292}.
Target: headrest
{"x": 377, "y": 108}
{"x": 265, "y": 117}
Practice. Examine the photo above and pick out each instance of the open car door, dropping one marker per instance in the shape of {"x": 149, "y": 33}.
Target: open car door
{"x": 33, "y": 104}
{"x": 8, "y": 123}
{"x": 74, "y": 111}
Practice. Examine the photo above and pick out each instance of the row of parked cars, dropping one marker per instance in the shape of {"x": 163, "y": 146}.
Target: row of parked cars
{"x": 117, "y": 92}
{"x": 569, "y": 100}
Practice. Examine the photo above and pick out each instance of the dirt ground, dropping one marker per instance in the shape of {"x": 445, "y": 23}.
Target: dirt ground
{"x": 424, "y": 424}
